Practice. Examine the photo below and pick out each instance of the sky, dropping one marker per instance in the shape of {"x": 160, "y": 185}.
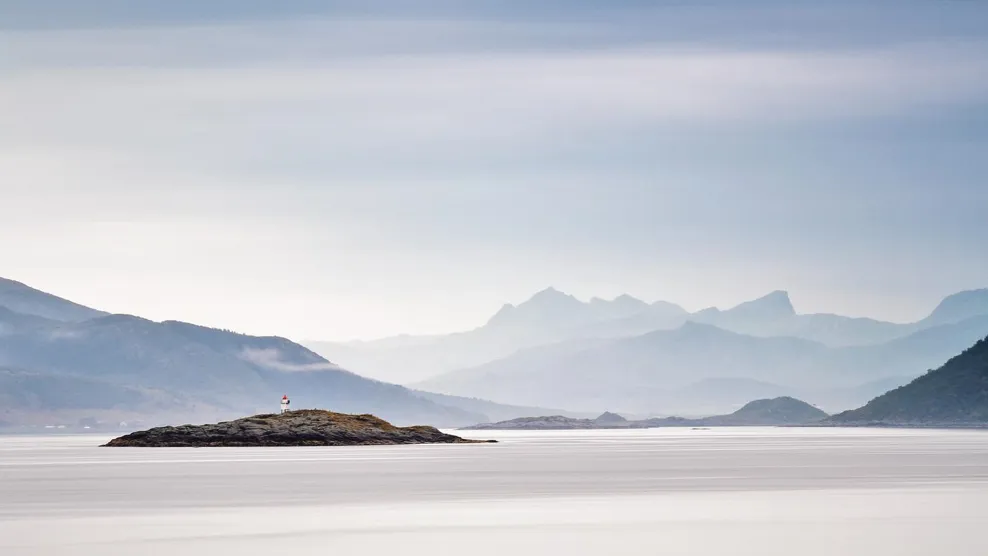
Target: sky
{"x": 338, "y": 170}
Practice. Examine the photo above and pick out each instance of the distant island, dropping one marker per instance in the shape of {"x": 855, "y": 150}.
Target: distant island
{"x": 307, "y": 427}
{"x": 560, "y": 422}
{"x": 769, "y": 412}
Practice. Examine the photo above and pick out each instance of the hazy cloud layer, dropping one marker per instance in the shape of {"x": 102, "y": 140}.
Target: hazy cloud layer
{"x": 353, "y": 169}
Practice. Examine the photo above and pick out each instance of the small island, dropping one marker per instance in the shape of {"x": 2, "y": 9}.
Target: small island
{"x": 307, "y": 427}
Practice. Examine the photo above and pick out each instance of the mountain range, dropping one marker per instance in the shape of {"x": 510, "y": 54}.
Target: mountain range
{"x": 61, "y": 361}
{"x": 702, "y": 369}
{"x": 551, "y": 317}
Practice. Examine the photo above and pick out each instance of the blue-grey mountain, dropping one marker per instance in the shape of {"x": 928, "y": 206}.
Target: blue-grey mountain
{"x": 58, "y": 366}
{"x": 677, "y": 371}
{"x": 551, "y": 316}
{"x": 23, "y": 299}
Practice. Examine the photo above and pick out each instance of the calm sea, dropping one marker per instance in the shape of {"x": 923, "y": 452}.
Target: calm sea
{"x": 758, "y": 491}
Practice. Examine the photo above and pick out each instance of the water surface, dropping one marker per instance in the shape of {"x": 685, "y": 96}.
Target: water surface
{"x": 738, "y": 491}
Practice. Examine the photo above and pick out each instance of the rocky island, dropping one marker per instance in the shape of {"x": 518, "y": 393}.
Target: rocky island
{"x": 307, "y": 427}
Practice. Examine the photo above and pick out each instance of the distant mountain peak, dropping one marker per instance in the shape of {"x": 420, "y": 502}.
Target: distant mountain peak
{"x": 773, "y": 305}
{"x": 960, "y": 306}
{"x": 623, "y": 301}
{"x": 551, "y": 298}
{"x": 550, "y": 293}
{"x": 667, "y": 304}
{"x": 629, "y": 300}
{"x": 778, "y": 297}
{"x": 542, "y": 308}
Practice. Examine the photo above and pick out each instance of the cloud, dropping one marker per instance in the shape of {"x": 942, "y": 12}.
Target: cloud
{"x": 440, "y": 106}
{"x": 270, "y": 358}
{"x": 341, "y": 89}
{"x": 58, "y": 334}
{"x": 291, "y": 42}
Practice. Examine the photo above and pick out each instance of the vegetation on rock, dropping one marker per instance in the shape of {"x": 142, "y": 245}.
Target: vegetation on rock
{"x": 954, "y": 394}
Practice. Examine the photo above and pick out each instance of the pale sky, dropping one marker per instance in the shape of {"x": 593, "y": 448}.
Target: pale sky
{"x": 335, "y": 170}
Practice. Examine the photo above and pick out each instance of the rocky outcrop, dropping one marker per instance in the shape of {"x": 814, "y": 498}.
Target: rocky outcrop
{"x": 309, "y": 427}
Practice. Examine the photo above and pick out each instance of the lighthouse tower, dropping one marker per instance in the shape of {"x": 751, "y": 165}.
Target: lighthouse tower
{"x": 284, "y": 403}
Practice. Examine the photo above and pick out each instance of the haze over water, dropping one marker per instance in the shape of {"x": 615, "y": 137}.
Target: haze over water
{"x": 661, "y": 491}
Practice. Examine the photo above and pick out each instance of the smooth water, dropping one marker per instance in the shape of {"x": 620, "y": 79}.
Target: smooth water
{"x": 741, "y": 491}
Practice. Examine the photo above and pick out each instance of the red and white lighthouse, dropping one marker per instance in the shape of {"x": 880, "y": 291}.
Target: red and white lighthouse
{"x": 285, "y": 403}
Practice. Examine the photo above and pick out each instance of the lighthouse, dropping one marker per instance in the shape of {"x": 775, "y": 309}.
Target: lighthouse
{"x": 284, "y": 403}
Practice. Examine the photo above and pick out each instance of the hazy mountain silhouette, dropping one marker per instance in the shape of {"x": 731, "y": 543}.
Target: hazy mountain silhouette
{"x": 551, "y": 351}
{"x": 629, "y": 374}
{"x": 189, "y": 366}
{"x": 551, "y": 316}
{"x": 838, "y": 331}
{"x": 553, "y": 309}
{"x": 652, "y": 372}
{"x": 956, "y": 393}
{"x": 621, "y": 306}
{"x": 843, "y": 397}
{"x": 493, "y": 411}
{"x": 24, "y": 391}
{"x": 548, "y": 316}
{"x": 549, "y": 308}
{"x": 958, "y": 307}
{"x": 26, "y": 300}
{"x": 764, "y": 311}
{"x": 130, "y": 365}
{"x": 11, "y": 321}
